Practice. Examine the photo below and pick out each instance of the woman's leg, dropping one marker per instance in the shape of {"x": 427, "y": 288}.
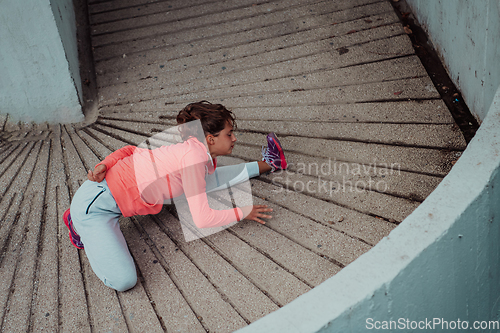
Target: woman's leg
{"x": 95, "y": 217}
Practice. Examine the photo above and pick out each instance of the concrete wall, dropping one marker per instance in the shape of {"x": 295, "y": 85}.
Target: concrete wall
{"x": 467, "y": 36}
{"x": 38, "y": 62}
{"x": 64, "y": 16}
{"x": 441, "y": 264}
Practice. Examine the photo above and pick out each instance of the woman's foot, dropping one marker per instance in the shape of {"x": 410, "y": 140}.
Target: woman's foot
{"x": 73, "y": 236}
{"x": 273, "y": 154}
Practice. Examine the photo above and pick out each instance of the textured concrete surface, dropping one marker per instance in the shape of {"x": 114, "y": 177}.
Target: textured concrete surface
{"x": 432, "y": 251}
{"x": 40, "y": 76}
{"x": 457, "y": 31}
{"x": 364, "y": 130}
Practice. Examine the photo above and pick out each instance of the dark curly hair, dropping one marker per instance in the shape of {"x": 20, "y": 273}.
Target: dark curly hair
{"x": 213, "y": 117}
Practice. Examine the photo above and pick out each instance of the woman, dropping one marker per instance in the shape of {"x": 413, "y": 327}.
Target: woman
{"x": 136, "y": 181}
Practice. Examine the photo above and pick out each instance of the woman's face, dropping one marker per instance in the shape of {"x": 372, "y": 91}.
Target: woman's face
{"x": 223, "y": 143}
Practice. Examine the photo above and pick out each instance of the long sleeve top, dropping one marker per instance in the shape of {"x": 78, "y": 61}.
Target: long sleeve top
{"x": 141, "y": 180}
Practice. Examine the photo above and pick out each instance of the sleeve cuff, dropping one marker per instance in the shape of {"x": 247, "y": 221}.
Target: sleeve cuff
{"x": 239, "y": 214}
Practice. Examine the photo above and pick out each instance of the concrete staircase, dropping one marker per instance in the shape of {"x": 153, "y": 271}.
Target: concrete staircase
{"x": 366, "y": 134}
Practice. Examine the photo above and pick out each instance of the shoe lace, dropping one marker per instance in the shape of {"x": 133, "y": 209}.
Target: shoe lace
{"x": 268, "y": 157}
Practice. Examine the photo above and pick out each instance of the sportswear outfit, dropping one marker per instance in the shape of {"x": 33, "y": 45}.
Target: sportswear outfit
{"x": 138, "y": 182}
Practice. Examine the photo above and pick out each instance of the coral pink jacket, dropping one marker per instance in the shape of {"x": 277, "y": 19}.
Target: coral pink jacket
{"x": 141, "y": 180}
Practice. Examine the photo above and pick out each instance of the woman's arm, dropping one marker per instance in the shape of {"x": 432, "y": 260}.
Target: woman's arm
{"x": 117, "y": 155}
{"x": 100, "y": 169}
{"x": 98, "y": 174}
{"x": 194, "y": 186}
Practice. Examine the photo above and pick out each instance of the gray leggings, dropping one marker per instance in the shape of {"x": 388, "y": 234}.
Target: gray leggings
{"x": 95, "y": 217}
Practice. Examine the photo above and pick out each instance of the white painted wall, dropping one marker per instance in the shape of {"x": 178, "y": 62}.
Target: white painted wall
{"x": 466, "y": 34}
{"x": 38, "y": 78}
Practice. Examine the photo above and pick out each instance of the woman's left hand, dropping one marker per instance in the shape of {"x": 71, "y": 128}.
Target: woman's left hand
{"x": 257, "y": 212}
{"x": 98, "y": 174}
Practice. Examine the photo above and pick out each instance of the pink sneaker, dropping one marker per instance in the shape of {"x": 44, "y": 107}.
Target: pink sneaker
{"x": 273, "y": 154}
{"x": 73, "y": 236}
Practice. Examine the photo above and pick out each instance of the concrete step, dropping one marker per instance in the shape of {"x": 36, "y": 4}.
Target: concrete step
{"x": 410, "y": 135}
{"x": 317, "y": 66}
{"x": 105, "y": 7}
{"x": 223, "y": 24}
{"x": 411, "y": 185}
{"x": 402, "y": 112}
{"x": 256, "y": 41}
{"x": 190, "y": 14}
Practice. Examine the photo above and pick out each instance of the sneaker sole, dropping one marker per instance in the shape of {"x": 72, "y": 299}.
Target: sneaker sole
{"x": 282, "y": 154}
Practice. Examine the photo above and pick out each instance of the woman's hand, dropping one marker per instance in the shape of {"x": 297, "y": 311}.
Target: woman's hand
{"x": 257, "y": 212}
{"x": 98, "y": 174}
